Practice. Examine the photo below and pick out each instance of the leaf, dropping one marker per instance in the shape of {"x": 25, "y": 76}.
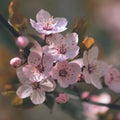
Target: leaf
{"x": 88, "y": 42}
{"x": 16, "y": 18}
{"x": 26, "y": 104}
{"x": 16, "y": 101}
{"x": 49, "y": 102}
{"x": 8, "y": 93}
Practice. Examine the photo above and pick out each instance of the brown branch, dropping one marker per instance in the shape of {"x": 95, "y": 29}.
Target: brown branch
{"x": 8, "y": 26}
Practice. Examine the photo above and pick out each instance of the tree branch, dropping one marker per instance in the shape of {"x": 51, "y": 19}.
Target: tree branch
{"x": 8, "y": 26}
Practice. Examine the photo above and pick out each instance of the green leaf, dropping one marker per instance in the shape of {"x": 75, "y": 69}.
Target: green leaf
{"x": 49, "y": 102}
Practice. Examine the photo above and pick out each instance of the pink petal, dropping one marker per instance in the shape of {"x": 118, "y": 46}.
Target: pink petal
{"x": 38, "y": 96}
{"x": 48, "y": 85}
{"x": 72, "y": 39}
{"x": 60, "y": 22}
{"x": 92, "y": 54}
{"x": 24, "y": 91}
{"x": 34, "y": 59}
{"x": 115, "y": 86}
{"x": 42, "y": 14}
{"x": 22, "y": 76}
{"x": 96, "y": 82}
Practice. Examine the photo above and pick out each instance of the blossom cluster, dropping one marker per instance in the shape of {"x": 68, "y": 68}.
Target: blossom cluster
{"x": 58, "y": 62}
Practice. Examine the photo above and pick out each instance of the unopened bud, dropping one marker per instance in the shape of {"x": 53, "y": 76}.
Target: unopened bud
{"x": 15, "y": 62}
{"x": 22, "y": 41}
{"x": 62, "y": 98}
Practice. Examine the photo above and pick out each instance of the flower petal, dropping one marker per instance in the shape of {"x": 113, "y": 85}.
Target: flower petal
{"x": 24, "y": 91}
{"x": 48, "y": 85}
{"x": 115, "y": 86}
{"x": 38, "y": 96}
{"x": 97, "y": 83}
{"x": 92, "y": 54}
{"x": 42, "y": 14}
{"x": 60, "y": 22}
{"x": 22, "y": 76}
{"x": 101, "y": 68}
{"x": 34, "y": 59}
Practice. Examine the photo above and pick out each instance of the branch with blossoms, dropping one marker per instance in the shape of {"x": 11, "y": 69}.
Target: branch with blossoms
{"x": 53, "y": 60}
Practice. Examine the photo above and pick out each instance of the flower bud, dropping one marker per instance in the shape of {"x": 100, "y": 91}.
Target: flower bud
{"x": 62, "y": 98}
{"x": 15, "y": 62}
{"x": 22, "y": 41}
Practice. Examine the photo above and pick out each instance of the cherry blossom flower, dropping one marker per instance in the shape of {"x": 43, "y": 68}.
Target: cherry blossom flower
{"x": 43, "y": 64}
{"x": 93, "y": 68}
{"x": 112, "y": 79}
{"x": 63, "y": 48}
{"x": 65, "y": 73}
{"x": 47, "y": 25}
{"x": 33, "y": 85}
{"x": 62, "y": 98}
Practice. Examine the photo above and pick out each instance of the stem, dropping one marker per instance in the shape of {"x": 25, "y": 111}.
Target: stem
{"x": 9, "y": 27}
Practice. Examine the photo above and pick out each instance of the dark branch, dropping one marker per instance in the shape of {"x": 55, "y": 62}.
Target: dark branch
{"x": 6, "y": 24}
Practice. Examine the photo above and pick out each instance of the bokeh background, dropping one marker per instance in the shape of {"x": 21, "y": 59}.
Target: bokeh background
{"x": 104, "y": 26}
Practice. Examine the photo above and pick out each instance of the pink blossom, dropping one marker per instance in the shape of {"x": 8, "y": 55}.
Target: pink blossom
{"x": 63, "y": 48}
{"x": 43, "y": 64}
{"x": 62, "y": 98}
{"x": 15, "y": 62}
{"x": 93, "y": 69}
{"x": 22, "y": 41}
{"x": 118, "y": 116}
{"x": 91, "y": 110}
{"x": 32, "y": 85}
{"x": 65, "y": 73}
{"x": 112, "y": 79}
{"x": 46, "y": 24}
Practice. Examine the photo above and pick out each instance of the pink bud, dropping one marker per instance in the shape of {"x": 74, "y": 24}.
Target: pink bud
{"x": 15, "y": 62}
{"x": 62, "y": 98}
{"x": 85, "y": 94}
{"x": 22, "y": 41}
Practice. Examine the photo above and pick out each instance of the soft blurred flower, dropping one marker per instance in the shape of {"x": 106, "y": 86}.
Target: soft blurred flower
{"x": 112, "y": 79}
{"x": 63, "y": 48}
{"x": 33, "y": 86}
{"x": 91, "y": 110}
{"x": 65, "y": 73}
{"x": 47, "y": 25}
{"x": 93, "y": 68}
{"x": 62, "y": 98}
{"x": 118, "y": 116}
{"x": 15, "y": 62}
{"x": 22, "y": 41}
{"x": 107, "y": 16}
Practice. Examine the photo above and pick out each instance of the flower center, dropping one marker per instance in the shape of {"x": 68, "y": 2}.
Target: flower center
{"x": 36, "y": 85}
{"x": 91, "y": 68}
{"x": 62, "y": 50}
{"x": 63, "y": 73}
{"x": 48, "y": 24}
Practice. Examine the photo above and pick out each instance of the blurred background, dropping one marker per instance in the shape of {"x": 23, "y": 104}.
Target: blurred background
{"x": 104, "y": 26}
